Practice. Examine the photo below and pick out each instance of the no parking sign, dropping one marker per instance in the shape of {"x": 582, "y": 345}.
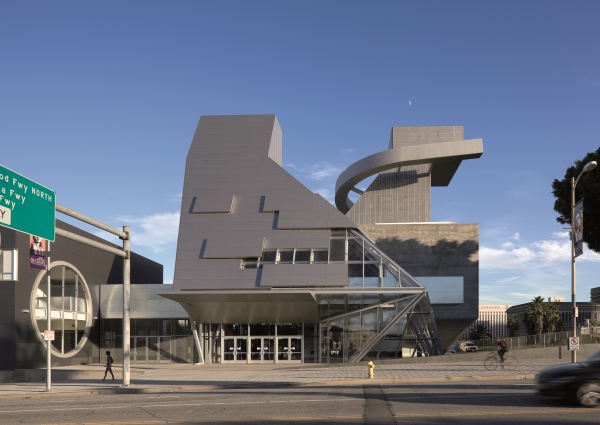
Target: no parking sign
{"x": 573, "y": 343}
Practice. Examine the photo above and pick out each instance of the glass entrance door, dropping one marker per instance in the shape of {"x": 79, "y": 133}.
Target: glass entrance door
{"x": 262, "y": 349}
{"x": 150, "y": 349}
{"x": 289, "y": 349}
{"x": 165, "y": 349}
{"x": 139, "y": 350}
{"x": 235, "y": 349}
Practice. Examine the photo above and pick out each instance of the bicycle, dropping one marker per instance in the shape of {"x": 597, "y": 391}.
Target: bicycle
{"x": 492, "y": 362}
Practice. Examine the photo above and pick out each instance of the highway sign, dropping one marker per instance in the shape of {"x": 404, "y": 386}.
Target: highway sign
{"x": 26, "y": 206}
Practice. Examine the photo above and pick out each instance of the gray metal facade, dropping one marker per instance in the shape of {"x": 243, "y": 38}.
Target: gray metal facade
{"x": 256, "y": 246}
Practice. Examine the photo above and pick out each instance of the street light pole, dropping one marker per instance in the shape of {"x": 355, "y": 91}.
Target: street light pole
{"x": 589, "y": 166}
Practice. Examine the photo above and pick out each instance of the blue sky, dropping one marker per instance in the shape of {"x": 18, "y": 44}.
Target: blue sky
{"x": 99, "y": 101}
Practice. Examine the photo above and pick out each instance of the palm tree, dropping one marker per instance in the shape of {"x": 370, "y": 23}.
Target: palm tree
{"x": 479, "y": 332}
{"x": 552, "y": 321}
{"x": 534, "y": 316}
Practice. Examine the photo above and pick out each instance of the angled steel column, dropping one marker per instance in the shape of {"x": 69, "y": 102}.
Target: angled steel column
{"x": 383, "y": 332}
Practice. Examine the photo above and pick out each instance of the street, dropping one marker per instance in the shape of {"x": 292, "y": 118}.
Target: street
{"x": 427, "y": 403}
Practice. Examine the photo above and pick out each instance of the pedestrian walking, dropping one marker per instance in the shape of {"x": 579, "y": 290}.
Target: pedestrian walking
{"x": 109, "y": 362}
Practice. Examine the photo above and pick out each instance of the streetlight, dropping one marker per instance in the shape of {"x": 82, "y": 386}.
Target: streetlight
{"x": 589, "y": 166}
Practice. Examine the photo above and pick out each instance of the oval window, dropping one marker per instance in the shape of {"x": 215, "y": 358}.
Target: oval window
{"x": 70, "y": 308}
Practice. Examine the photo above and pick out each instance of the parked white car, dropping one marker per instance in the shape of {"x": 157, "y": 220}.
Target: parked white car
{"x": 467, "y": 347}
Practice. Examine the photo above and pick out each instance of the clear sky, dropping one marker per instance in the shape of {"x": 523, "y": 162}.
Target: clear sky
{"x": 99, "y": 101}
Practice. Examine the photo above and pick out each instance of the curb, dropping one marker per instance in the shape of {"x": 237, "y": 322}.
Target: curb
{"x": 264, "y": 385}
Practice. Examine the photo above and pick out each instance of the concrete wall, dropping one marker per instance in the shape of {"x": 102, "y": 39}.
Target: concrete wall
{"x": 437, "y": 249}
{"x": 558, "y": 353}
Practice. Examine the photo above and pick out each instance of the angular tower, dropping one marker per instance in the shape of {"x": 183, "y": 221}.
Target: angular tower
{"x": 271, "y": 272}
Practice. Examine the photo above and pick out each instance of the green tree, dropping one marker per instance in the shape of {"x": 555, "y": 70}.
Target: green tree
{"x": 534, "y": 316}
{"x": 588, "y": 188}
{"x": 552, "y": 321}
{"x": 479, "y": 332}
{"x": 542, "y": 317}
{"x": 513, "y": 326}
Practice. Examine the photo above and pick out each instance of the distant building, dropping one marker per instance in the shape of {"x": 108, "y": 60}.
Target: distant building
{"x": 588, "y": 311}
{"x": 595, "y": 295}
{"x": 492, "y": 317}
{"x": 556, "y": 299}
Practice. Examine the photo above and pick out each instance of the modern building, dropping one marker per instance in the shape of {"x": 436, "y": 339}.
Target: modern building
{"x": 395, "y": 212}
{"x": 587, "y": 312}
{"x": 86, "y": 304}
{"x": 270, "y": 271}
{"x": 556, "y": 299}
{"x": 494, "y": 318}
{"x": 595, "y": 295}
{"x": 266, "y": 271}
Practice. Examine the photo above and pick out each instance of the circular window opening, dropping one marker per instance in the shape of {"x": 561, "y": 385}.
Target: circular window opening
{"x": 70, "y": 308}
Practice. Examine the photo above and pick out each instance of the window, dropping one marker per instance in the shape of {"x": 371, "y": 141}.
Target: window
{"x": 338, "y": 250}
{"x": 320, "y": 256}
{"x": 269, "y": 256}
{"x": 302, "y": 256}
{"x": 285, "y": 256}
{"x": 70, "y": 305}
{"x": 250, "y": 263}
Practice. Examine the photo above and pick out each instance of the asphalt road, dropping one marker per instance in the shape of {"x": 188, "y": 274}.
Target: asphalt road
{"x": 480, "y": 402}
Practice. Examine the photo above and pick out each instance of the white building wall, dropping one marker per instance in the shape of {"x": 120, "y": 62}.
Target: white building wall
{"x": 493, "y": 317}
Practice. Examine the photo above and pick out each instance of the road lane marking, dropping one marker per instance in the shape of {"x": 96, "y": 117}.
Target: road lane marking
{"x": 147, "y": 406}
{"x": 455, "y": 396}
{"x": 228, "y": 421}
{"x": 493, "y": 412}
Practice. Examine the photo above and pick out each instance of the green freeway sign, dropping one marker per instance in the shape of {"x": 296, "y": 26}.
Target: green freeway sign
{"x": 26, "y": 206}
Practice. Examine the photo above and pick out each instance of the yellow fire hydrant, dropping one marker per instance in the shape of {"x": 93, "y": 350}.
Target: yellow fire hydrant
{"x": 371, "y": 367}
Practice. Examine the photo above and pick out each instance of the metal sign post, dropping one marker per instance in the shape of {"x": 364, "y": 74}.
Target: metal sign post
{"x": 48, "y": 326}
{"x": 126, "y": 309}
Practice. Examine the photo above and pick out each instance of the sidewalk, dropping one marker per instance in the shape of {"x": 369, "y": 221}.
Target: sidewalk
{"x": 164, "y": 378}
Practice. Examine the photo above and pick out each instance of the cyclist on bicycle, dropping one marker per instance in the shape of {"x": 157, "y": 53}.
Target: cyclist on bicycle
{"x": 502, "y": 349}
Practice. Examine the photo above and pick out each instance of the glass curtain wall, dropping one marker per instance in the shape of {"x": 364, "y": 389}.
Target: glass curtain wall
{"x": 360, "y": 326}
{"x": 153, "y": 340}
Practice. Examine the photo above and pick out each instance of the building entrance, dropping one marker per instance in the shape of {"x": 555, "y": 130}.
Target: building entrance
{"x": 262, "y": 349}
{"x": 235, "y": 349}
{"x": 150, "y": 349}
{"x": 289, "y": 349}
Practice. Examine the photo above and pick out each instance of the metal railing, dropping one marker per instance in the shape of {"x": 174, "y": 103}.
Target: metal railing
{"x": 537, "y": 341}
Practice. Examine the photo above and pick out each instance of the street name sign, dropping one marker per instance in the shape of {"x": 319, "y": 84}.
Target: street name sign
{"x": 26, "y": 206}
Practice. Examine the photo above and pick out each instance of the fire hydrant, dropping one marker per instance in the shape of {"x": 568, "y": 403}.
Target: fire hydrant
{"x": 371, "y": 367}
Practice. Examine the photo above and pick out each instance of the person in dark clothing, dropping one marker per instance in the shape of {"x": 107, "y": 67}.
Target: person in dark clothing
{"x": 502, "y": 348}
{"x": 109, "y": 362}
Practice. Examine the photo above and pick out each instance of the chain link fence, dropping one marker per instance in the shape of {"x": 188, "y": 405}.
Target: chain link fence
{"x": 536, "y": 341}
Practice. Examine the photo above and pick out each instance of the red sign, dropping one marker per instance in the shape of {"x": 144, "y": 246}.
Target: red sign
{"x": 48, "y": 335}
